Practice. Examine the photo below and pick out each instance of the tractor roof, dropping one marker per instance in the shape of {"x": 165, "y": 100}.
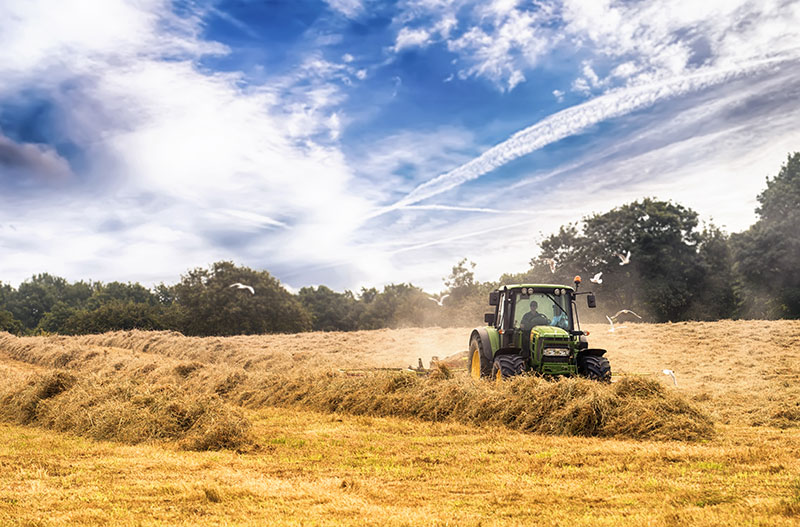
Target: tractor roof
{"x": 538, "y": 286}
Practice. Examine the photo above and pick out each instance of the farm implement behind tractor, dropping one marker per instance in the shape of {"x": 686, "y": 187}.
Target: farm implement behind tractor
{"x": 535, "y": 328}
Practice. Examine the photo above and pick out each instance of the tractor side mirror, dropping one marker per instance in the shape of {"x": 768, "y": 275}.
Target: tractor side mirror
{"x": 489, "y": 318}
{"x": 591, "y": 301}
{"x": 494, "y": 298}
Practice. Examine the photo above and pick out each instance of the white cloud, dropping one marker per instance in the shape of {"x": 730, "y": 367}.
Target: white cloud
{"x": 349, "y": 8}
{"x": 411, "y": 38}
{"x": 637, "y": 42}
{"x": 211, "y": 163}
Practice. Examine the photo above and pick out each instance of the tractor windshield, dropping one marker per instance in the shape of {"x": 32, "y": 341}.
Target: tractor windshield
{"x": 541, "y": 309}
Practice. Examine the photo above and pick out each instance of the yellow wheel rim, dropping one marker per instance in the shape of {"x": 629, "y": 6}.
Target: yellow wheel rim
{"x": 475, "y": 370}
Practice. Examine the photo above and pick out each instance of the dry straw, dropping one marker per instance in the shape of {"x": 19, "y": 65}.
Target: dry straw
{"x": 631, "y": 408}
{"x": 137, "y": 386}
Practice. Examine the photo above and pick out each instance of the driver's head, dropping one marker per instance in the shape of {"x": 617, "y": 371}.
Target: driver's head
{"x": 534, "y": 305}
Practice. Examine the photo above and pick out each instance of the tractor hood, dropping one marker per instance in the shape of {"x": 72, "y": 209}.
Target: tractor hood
{"x": 550, "y": 332}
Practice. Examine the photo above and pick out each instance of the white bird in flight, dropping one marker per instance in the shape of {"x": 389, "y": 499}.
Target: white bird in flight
{"x": 239, "y": 285}
{"x": 623, "y": 260}
{"x": 621, "y": 311}
{"x": 671, "y": 374}
{"x": 596, "y": 278}
{"x": 552, "y": 263}
{"x": 613, "y": 328}
{"x": 440, "y": 300}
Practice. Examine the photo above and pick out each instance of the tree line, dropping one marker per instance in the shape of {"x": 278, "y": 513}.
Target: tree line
{"x": 678, "y": 270}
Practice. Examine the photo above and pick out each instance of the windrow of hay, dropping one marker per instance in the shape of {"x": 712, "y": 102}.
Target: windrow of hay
{"x": 631, "y": 408}
{"x": 122, "y": 408}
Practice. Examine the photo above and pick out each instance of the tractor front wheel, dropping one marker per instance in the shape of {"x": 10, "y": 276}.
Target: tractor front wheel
{"x": 507, "y": 366}
{"x": 478, "y": 365}
{"x": 595, "y": 368}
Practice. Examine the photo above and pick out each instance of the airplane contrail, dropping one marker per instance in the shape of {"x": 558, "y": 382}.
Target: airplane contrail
{"x": 574, "y": 120}
{"x": 456, "y": 208}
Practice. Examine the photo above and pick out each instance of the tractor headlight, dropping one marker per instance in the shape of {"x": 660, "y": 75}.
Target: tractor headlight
{"x": 556, "y": 352}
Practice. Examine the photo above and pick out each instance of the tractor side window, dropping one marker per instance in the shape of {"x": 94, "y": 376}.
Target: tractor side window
{"x": 501, "y": 310}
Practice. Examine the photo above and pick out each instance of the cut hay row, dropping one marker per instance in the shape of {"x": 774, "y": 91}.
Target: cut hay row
{"x": 122, "y": 409}
{"x": 632, "y": 408}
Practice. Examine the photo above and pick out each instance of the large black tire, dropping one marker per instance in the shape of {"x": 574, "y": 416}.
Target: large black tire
{"x": 507, "y": 366}
{"x": 483, "y": 365}
{"x": 595, "y": 368}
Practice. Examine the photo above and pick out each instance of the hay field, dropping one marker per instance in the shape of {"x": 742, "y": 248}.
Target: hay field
{"x": 158, "y": 429}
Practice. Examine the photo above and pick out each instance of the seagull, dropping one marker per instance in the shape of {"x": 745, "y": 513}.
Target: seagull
{"x": 439, "y": 301}
{"x": 621, "y": 311}
{"x": 671, "y": 374}
{"x": 596, "y": 278}
{"x": 552, "y": 263}
{"x": 612, "y": 329}
{"x": 623, "y": 260}
{"x": 239, "y": 285}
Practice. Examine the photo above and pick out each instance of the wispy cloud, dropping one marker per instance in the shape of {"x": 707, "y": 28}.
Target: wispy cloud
{"x": 210, "y": 159}
{"x": 349, "y": 8}
{"x": 576, "y": 120}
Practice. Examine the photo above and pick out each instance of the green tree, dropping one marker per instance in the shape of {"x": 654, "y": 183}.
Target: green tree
{"x": 120, "y": 292}
{"x": 36, "y": 296}
{"x": 9, "y": 323}
{"x": 766, "y": 254}
{"x": 60, "y": 319}
{"x": 206, "y": 303}
{"x": 330, "y": 311}
{"x": 468, "y": 298}
{"x": 115, "y": 315}
{"x": 398, "y": 305}
{"x": 670, "y": 260}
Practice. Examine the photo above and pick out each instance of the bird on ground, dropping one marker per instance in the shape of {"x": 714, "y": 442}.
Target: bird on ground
{"x": 596, "y": 278}
{"x": 621, "y": 311}
{"x": 239, "y": 285}
{"x": 671, "y": 374}
{"x": 440, "y": 301}
{"x": 624, "y": 260}
{"x": 552, "y": 263}
{"x": 613, "y": 328}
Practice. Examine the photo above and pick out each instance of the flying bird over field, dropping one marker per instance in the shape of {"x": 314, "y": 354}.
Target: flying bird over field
{"x": 440, "y": 300}
{"x": 621, "y": 311}
{"x": 552, "y": 263}
{"x": 239, "y": 285}
{"x": 671, "y": 374}
{"x": 596, "y": 278}
{"x": 613, "y": 328}
{"x": 623, "y": 260}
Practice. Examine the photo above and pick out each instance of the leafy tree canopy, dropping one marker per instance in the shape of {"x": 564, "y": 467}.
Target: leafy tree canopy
{"x": 208, "y": 305}
{"x": 667, "y": 264}
{"x": 766, "y": 254}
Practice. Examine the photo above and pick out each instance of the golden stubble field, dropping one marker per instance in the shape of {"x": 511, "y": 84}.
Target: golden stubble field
{"x": 163, "y": 399}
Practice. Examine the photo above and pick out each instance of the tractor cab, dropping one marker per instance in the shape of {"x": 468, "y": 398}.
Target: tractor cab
{"x": 518, "y": 309}
{"x": 535, "y": 327}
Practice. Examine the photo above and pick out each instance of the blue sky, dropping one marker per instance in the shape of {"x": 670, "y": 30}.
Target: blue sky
{"x": 357, "y": 143}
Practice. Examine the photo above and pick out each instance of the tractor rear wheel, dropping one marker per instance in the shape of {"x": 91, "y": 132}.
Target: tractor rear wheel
{"x": 507, "y": 366}
{"x": 595, "y": 368}
{"x": 478, "y": 365}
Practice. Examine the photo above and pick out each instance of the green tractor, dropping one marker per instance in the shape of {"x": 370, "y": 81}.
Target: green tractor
{"x": 535, "y": 328}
